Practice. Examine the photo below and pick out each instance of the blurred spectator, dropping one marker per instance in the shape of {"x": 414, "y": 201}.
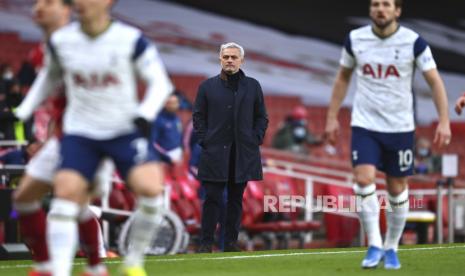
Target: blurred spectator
{"x": 10, "y": 98}
{"x": 294, "y": 134}
{"x": 26, "y": 74}
{"x": 6, "y": 119}
{"x": 23, "y": 130}
{"x": 184, "y": 103}
{"x": 425, "y": 161}
{"x": 7, "y": 82}
{"x": 13, "y": 128}
{"x": 14, "y": 95}
{"x": 6, "y": 78}
{"x": 167, "y": 132}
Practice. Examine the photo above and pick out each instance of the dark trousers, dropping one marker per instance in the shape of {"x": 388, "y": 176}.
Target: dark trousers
{"x": 214, "y": 203}
{"x": 212, "y": 208}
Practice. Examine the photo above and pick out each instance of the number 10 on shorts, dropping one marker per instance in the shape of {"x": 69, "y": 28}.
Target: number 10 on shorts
{"x": 405, "y": 159}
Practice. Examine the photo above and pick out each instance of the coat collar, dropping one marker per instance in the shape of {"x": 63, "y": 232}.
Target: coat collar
{"x": 224, "y": 77}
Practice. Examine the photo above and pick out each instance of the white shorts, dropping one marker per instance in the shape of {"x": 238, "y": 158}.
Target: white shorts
{"x": 45, "y": 163}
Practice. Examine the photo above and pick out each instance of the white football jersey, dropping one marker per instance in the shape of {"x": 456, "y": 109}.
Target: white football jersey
{"x": 385, "y": 69}
{"x": 100, "y": 75}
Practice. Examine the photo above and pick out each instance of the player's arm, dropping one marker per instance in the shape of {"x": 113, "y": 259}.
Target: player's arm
{"x": 151, "y": 70}
{"x": 341, "y": 84}
{"x": 425, "y": 62}
{"x": 443, "y": 134}
{"x": 45, "y": 84}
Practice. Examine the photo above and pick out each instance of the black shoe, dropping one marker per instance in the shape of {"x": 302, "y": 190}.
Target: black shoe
{"x": 205, "y": 248}
{"x": 232, "y": 247}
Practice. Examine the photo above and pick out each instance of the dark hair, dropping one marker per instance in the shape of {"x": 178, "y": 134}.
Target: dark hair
{"x": 67, "y": 2}
{"x": 397, "y": 3}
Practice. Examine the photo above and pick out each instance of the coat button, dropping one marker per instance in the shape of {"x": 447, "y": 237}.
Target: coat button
{"x": 229, "y": 106}
{"x": 225, "y": 147}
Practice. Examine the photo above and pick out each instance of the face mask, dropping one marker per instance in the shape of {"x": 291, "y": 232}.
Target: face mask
{"x": 424, "y": 152}
{"x": 8, "y": 75}
{"x": 299, "y": 133}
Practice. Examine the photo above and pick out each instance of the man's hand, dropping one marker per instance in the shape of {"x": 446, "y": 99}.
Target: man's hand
{"x": 332, "y": 131}
{"x": 443, "y": 134}
{"x": 459, "y": 104}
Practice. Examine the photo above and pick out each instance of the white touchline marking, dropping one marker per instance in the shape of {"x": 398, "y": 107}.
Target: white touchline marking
{"x": 248, "y": 256}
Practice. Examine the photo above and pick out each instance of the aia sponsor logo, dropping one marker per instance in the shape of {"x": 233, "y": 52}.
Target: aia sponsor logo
{"x": 380, "y": 71}
{"x": 93, "y": 81}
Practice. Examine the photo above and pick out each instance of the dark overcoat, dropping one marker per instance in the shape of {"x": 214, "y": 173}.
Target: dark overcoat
{"x": 212, "y": 126}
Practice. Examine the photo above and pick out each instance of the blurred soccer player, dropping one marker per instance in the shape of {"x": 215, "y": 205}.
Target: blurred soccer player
{"x": 99, "y": 59}
{"x": 50, "y": 15}
{"x": 384, "y": 57}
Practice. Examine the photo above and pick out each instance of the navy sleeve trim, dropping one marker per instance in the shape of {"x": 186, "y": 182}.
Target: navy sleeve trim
{"x": 419, "y": 46}
{"x": 141, "y": 44}
{"x": 348, "y": 45}
{"x": 53, "y": 51}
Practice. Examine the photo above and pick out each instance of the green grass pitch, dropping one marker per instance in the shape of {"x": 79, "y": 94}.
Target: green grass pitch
{"x": 416, "y": 260}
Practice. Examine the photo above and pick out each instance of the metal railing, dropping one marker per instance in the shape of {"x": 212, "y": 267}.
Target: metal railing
{"x": 307, "y": 174}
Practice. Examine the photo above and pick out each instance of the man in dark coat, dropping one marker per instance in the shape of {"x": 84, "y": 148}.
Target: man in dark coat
{"x": 230, "y": 121}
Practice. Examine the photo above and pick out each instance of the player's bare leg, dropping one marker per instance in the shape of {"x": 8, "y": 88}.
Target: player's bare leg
{"x": 365, "y": 189}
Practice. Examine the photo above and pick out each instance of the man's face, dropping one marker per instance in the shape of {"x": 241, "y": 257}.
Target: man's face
{"x": 49, "y": 13}
{"x": 231, "y": 60}
{"x": 383, "y": 12}
{"x": 91, "y": 10}
{"x": 172, "y": 104}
